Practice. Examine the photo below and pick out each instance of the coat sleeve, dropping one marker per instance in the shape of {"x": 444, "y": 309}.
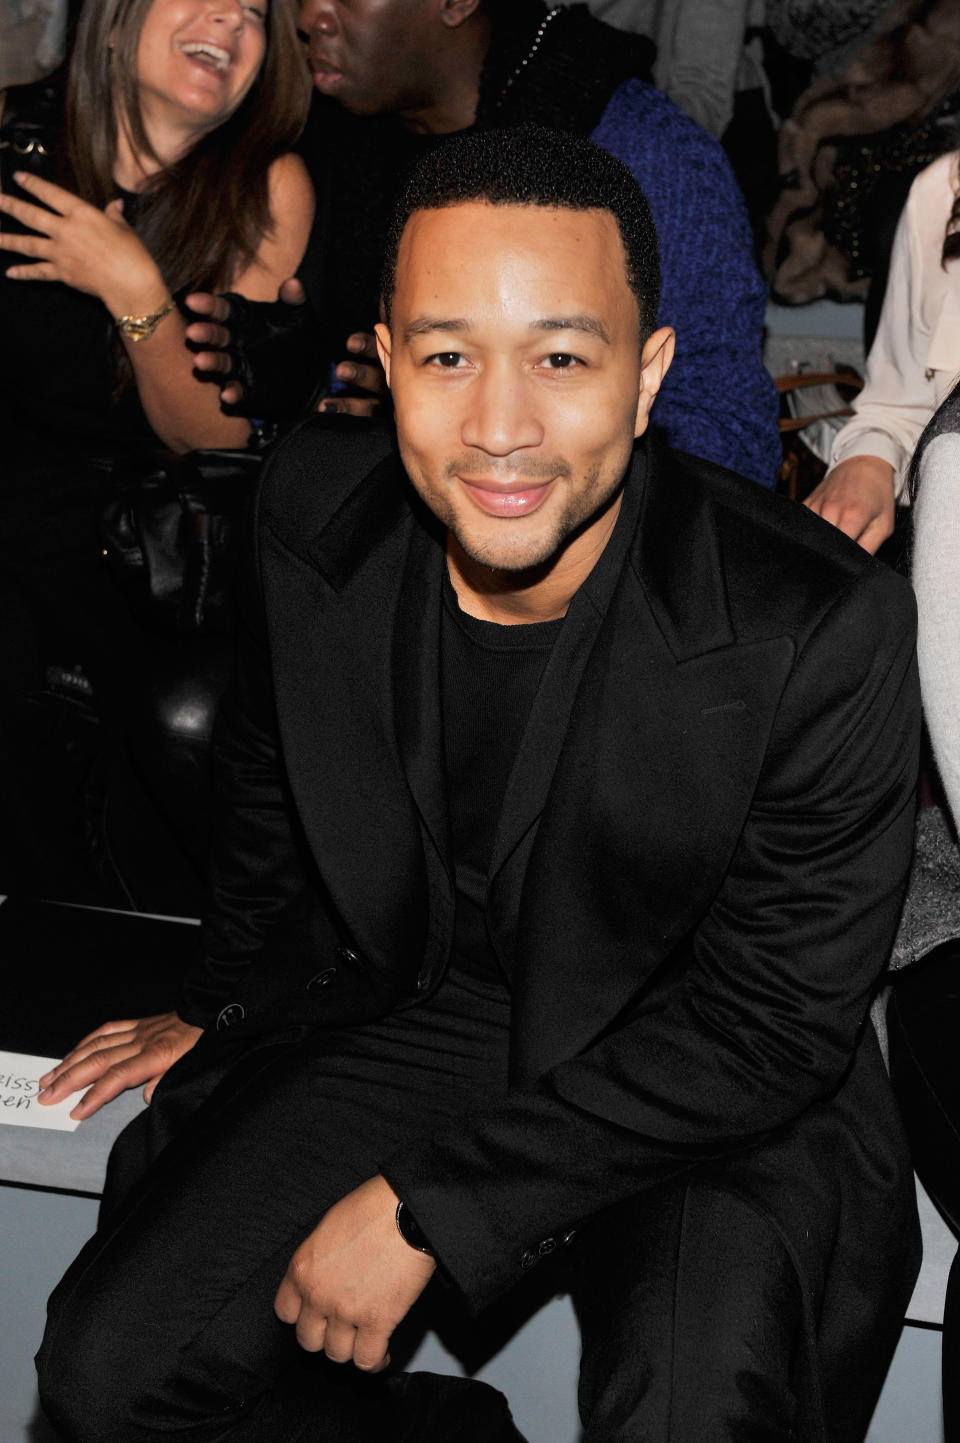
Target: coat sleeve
{"x": 717, "y": 400}
{"x": 765, "y": 1019}
{"x": 256, "y": 865}
{"x": 900, "y": 389}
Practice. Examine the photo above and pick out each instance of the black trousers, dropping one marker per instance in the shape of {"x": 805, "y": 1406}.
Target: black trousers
{"x": 164, "y": 1326}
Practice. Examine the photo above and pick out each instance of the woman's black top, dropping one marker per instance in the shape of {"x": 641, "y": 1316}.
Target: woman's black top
{"x": 60, "y": 411}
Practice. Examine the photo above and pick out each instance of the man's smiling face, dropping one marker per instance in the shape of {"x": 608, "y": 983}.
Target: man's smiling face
{"x": 513, "y": 356}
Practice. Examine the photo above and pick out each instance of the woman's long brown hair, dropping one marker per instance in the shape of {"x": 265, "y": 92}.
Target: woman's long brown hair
{"x": 209, "y": 211}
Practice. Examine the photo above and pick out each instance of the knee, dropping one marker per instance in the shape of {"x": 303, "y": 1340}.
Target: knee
{"x": 85, "y": 1389}
{"x": 693, "y": 1324}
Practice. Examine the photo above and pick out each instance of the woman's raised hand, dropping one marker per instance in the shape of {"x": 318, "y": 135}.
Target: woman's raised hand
{"x": 93, "y": 250}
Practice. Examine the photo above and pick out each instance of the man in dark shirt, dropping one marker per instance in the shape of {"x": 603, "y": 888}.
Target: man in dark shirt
{"x": 568, "y": 802}
{"x": 393, "y": 78}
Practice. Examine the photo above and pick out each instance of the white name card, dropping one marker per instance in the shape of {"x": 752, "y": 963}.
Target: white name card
{"x": 19, "y": 1089}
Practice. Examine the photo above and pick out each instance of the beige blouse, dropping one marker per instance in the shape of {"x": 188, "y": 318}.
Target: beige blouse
{"x": 915, "y": 357}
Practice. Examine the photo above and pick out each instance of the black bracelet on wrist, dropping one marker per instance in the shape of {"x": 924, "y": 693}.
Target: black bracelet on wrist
{"x": 410, "y": 1230}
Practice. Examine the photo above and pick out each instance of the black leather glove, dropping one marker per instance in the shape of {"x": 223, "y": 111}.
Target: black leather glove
{"x": 277, "y": 356}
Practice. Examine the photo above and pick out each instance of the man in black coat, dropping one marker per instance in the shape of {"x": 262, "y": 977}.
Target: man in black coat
{"x": 568, "y": 802}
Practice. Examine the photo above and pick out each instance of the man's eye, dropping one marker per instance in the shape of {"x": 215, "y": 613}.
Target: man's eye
{"x": 448, "y": 359}
{"x": 561, "y": 361}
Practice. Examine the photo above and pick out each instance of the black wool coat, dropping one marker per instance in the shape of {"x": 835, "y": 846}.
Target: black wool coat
{"x": 696, "y": 877}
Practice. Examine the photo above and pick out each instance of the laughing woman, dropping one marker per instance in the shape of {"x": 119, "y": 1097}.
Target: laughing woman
{"x": 159, "y": 165}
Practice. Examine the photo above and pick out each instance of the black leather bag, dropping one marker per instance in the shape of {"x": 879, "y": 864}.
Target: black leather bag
{"x": 170, "y": 535}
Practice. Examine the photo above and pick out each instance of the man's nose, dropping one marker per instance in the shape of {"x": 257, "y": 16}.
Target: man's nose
{"x": 501, "y": 414}
{"x": 317, "y": 16}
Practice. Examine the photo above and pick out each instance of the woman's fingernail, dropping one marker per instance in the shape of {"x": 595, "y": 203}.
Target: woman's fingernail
{"x": 330, "y": 406}
{"x": 346, "y": 370}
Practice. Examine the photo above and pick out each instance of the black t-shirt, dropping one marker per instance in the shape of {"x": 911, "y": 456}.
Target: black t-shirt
{"x": 489, "y": 676}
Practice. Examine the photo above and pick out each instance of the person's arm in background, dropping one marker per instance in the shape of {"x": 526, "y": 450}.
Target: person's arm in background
{"x": 936, "y": 580}
{"x": 718, "y": 400}
{"x": 872, "y": 452}
{"x": 99, "y": 253}
{"x": 699, "y": 50}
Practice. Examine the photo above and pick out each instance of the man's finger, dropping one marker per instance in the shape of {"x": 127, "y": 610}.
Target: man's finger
{"x": 292, "y": 292}
{"x": 370, "y": 1350}
{"x": 95, "y": 1047}
{"x": 218, "y": 361}
{"x": 350, "y": 405}
{"x": 85, "y": 1071}
{"x": 339, "y": 1340}
{"x": 206, "y": 304}
{"x": 121, "y": 1075}
{"x": 362, "y": 344}
{"x": 109, "y": 1029}
{"x": 286, "y": 1304}
{"x": 108, "y": 1034}
{"x": 208, "y": 333}
{"x": 368, "y": 378}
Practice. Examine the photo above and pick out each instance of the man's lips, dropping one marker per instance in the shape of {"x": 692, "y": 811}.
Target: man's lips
{"x": 515, "y": 498}
{"x": 326, "y": 76}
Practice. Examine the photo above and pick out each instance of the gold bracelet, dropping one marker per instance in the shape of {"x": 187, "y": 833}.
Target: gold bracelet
{"x": 140, "y": 328}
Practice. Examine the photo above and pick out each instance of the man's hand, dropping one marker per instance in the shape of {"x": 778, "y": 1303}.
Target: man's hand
{"x": 365, "y": 373}
{"x": 353, "y": 1279}
{"x": 116, "y": 1056}
{"x": 214, "y": 335}
{"x": 857, "y": 496}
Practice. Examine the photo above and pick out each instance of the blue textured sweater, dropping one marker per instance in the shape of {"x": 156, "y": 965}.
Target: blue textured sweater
{"x": 717, "y": 401}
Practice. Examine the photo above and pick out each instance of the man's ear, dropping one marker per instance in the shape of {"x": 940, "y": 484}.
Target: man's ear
{"x": 455, "y": 12}
{"x": 654, "y": 365}
{"x": 382, "y": 333}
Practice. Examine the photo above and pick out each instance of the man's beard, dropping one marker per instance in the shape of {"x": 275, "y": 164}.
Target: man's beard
{"x": 531, "y": 551}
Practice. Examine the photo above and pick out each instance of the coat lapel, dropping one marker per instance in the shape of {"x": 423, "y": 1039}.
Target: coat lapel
{"x": 333, "y": 605}
{"x": 533, "y": 771}
{"x": 664, "y": 729}
{"x": 416, "y": 683}
{"x": 419, "y": 725}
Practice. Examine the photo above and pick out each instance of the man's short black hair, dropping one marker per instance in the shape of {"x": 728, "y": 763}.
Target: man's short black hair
{"x": 532, "y": 165}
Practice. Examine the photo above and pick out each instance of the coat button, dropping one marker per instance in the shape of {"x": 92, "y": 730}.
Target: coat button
{"x": 568, "y": 1237}
{"x": 527, "y": 1258}
{"x": 548, "y": 1246}
{"x": 347, "y": 954}
{"x": 322, "y": 979}
{"x": 423, "y": 980}
{"x": 233, "y": 1012}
